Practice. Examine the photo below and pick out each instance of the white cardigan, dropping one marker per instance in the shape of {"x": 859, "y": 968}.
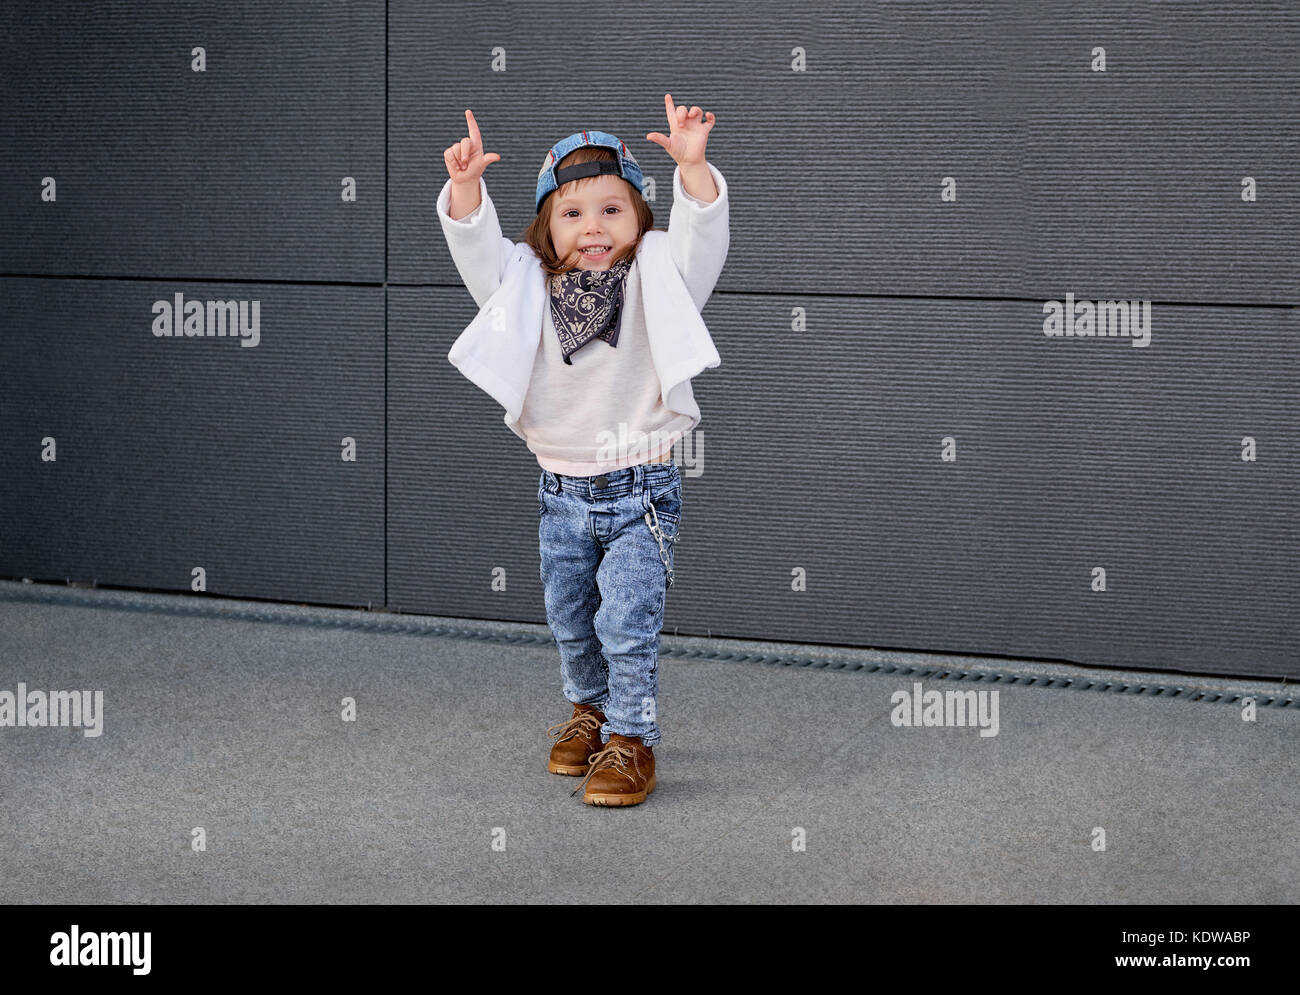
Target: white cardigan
{"x": 678, "y": 270}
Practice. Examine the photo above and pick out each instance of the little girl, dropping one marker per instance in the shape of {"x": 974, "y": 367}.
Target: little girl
{"x": 588, "y": 334}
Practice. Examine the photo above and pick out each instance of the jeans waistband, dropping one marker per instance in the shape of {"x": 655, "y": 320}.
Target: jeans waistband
{"x": 624, "y": 480}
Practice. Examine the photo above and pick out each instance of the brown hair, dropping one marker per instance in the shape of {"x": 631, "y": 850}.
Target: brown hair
{"x": 538, "y": 234}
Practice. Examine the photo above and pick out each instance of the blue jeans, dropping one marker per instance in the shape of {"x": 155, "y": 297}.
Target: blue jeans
{"x": 607, "y": 557}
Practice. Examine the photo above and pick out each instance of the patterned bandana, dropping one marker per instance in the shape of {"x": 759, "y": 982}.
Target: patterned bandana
{"x": 586, "y": 305}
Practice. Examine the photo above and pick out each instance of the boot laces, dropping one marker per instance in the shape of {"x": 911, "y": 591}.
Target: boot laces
{"x": 574, "y": 726}
{"x": 615, "y": 754}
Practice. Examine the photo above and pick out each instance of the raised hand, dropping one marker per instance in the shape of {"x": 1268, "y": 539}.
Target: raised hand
{"x": 465, "y": 159}
{"x": 688, "y": 132}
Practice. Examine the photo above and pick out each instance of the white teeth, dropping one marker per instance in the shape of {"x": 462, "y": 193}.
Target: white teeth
{"x": 595, "y": 252}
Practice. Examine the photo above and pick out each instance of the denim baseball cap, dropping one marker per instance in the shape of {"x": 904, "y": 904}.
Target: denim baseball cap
{"x": 627, "y": 167}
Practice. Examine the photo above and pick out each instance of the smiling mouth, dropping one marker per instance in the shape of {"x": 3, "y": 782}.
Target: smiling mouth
{"x": 596, "y": 255}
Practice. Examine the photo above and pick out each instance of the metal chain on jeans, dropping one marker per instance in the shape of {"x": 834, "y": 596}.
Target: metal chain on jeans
{"x": 660, "y": 537}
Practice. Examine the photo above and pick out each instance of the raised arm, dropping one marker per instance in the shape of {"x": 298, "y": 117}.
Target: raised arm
{"x": 698, "y": 236}
{"x": 477, "y": 246}
{"x": 698, "y": 228}
{"x": 469, "y": 220}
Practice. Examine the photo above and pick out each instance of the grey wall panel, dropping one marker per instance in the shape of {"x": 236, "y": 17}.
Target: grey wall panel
{"x": 1125, "y": 183}
{"x": 823, "y": 453}
{"x": 235, "y": 172}
{"x": 181, "y": 452}
{"x": 462, "y": 488}
{"x": 820, "y": 453}
{"x": 835, "y": 171}
{"x": 1130, "y": 180}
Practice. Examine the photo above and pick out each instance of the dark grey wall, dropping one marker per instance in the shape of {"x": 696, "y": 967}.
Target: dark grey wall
{"x": 820, "y": 450}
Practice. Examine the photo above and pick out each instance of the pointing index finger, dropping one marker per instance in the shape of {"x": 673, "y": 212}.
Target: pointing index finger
{"x": 473, "y": 129}
{"x": 671, "y": 110}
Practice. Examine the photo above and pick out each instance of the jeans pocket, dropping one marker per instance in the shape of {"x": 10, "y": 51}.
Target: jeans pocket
{"x": 666, "y": 501}
{"x": 663, "y": 517}
{"x": 669, "y": 523}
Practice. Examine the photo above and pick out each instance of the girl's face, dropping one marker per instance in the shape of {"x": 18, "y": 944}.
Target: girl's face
{"x": 594, "y": 212}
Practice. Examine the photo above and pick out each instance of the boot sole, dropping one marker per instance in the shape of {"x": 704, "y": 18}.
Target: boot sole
{"x": 635, "y": 798}
{"x": 567, "y": 769}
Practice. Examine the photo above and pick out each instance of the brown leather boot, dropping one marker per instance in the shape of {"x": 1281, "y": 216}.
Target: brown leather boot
{"x": 576, "y": 740}
{"x": 621, "y": 774}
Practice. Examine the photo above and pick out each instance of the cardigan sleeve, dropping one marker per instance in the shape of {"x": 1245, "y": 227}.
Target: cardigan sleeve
{"x": 698, "y": 236}
{"x": 477, "y": 246}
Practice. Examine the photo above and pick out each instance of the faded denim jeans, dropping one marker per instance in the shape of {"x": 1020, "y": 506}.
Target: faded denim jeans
{"x": 606, "y": 547}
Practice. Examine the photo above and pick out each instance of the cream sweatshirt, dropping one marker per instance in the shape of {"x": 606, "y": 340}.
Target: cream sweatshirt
{"x": 614, "y": 406}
